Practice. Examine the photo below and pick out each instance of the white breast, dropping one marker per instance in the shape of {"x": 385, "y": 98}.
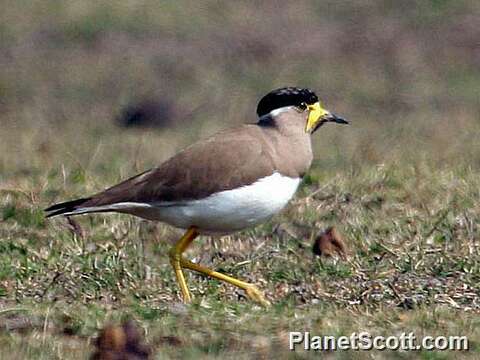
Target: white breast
{"x": 231, "y": 210}
{"x": 222, "y": 212}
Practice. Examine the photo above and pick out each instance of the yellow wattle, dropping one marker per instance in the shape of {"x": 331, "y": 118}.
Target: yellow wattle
{"x": 315, "y": 115}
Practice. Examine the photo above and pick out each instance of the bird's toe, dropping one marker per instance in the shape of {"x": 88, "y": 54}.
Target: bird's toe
{"x": 256, "y": 295}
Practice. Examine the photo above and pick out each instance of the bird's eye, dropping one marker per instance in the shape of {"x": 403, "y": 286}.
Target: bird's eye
{"x": 303, "y": 106}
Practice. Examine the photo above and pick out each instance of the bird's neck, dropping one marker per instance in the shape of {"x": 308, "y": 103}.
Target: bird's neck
{"x": 288, "y": 132}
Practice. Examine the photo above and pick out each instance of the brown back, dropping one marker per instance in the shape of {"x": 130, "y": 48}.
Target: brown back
{"x": 229, "y": 159}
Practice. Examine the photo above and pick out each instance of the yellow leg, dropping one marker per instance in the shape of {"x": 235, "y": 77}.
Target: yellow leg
{"x": 178, "y": 262}
{"x": 251, "y": 290}
{"x": 176, "y": 257}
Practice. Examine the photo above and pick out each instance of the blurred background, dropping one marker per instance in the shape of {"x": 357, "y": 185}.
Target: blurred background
{"x": 77, "y": 77}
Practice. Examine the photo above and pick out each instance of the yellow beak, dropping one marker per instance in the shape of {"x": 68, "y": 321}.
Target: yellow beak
{"x": 318, "y": 115}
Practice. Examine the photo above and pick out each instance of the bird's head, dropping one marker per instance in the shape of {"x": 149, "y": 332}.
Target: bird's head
{"x": 301, "y": 99}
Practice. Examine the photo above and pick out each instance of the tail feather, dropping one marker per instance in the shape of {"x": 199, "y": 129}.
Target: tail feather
{"x": 65, "y": 207}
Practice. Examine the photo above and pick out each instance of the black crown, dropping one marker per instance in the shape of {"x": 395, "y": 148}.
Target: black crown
{"x": 287, "y": 96}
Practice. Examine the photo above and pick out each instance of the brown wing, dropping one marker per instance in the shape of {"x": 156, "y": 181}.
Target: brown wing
{"x": 227, "y": 160}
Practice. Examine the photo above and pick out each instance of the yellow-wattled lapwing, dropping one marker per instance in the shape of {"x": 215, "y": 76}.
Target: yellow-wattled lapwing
{"x": 233, "y": 180}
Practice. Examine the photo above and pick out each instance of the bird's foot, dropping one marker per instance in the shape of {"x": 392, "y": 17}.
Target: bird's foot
{"x": 256, "y": 295}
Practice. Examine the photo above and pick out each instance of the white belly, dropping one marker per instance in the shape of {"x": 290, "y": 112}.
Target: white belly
{"x": 222, "y": 212}
{"x": 230, "y": 210}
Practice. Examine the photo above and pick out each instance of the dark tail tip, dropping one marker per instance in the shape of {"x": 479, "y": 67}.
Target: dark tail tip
{"x": 64, "y": 207}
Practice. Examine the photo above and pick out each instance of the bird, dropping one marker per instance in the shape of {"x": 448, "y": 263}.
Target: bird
{"x": 235, "y": 179}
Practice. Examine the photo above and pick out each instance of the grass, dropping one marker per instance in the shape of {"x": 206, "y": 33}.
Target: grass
{"x": 401, "y": 184}
{"x": 413, "y": 266}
